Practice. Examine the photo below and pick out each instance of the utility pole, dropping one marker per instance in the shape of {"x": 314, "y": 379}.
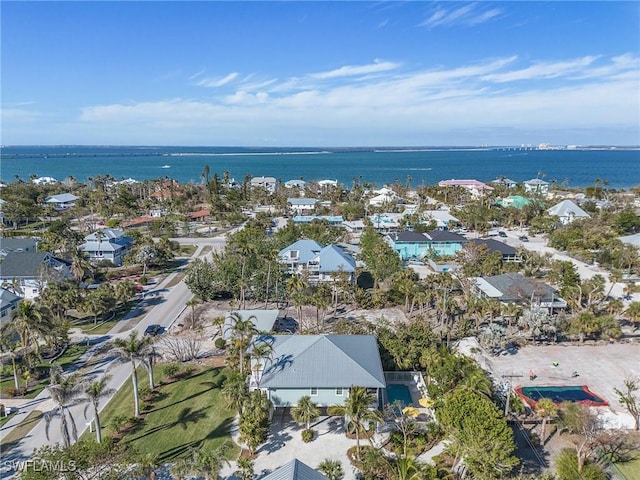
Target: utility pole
{"x": 509, "y": 389}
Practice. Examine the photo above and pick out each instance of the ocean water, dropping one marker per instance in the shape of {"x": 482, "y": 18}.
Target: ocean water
{"x": 620, "y": 168}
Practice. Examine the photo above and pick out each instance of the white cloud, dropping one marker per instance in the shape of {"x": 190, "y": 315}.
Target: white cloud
{"x": 216, "y": 81}
{"x": 543, "y": 70}
{"x": 557, "y": 95}
{"x": 470, "y": 15}
{"x": 353, "y": 70}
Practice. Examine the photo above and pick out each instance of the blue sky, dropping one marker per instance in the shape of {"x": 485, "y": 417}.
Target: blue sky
{"x": 320, "y": 73}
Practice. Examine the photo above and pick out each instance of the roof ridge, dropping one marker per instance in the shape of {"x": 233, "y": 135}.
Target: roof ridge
{"x": 350, "y": 357}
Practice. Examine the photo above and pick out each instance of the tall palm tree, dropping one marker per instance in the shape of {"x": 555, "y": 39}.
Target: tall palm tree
{"x": 241, "y": 332}
{"x": 235, "y": 391}
{"x": 133, "y": 349}
{"x": 95, "y": 392}
{"x": 356, "y": 410}
{"x": 10, "y": 347}
{"x": 633, "y": 312}
{"x": 306, "y": 411}
{"x": 31, "y": 326}
{"x": 64, "y": 391}
{"x": 546, "y": 409}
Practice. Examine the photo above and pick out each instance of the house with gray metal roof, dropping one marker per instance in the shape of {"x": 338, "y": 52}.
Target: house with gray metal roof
{"x": 30, "y": 272}
{"x": 567, "y": 212}
{"x": 302, "y": 204}
{"x": 536, "y": 185}
{"x": 17, "y": 245}
{"x": 295, "y": 470}
{"x": 516, "y": 288}
{"x": 321, "y": 366}
{"x": 107, "y": 244}
{"x": 263, "y": 320}
{"x": 62, "y": 201}
{"x": 320, "y": 263}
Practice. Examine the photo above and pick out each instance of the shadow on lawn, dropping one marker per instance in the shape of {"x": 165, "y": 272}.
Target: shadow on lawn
{"x": 220, "y": 431}
{"x": 185, "y": 417}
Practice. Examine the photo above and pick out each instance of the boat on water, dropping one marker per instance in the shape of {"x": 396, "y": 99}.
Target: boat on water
{"x": 165, "y": 166}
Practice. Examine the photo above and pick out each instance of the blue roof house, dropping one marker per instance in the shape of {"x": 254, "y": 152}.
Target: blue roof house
{"x": 321, "y": 366}
{"x": 435, "y": 243}
{"x": 321, "y": 263}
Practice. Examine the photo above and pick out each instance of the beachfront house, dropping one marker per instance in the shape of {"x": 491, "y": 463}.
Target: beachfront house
{"x": 384, "y": 196}
{"x": 504, "y": 182}
{"x": 62, "y": 201}
{"x": 28, "y": 273}
{"x": 299, "y": 184}
{"x": 302, "y": 205}
{"x": 567, "y": 212}
{"x": 433, "y": 244}
{"x": 321, "y": 366}
{"x": 268, "y": 183}
{"x": 107, "y": 244}
{"x": 536, "y": 185}
{"x": 321, "y": 264}
{"x": 516, "y": 288}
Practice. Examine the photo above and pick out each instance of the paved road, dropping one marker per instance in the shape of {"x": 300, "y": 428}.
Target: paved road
{"x": 169, "y": 304}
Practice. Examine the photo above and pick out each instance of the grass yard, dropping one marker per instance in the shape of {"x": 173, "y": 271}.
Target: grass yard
{"x": 71, "y": 354}
{"x": 630, "y": 469}
{"x": 20, "y": 431}
{"x": 187, "y": 250}
{"x": 186, "y": 413}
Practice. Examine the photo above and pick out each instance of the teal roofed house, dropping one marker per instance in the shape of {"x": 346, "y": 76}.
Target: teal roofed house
{"x": 436, "y": 243}
{"x": 514, "y": 201}
{"x": 323, "y": 367}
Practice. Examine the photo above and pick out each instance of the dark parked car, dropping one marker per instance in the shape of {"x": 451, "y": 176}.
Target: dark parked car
{"x": 523, "y": 238}
{"x": 502, "y": 234}
{"x": 154, "y": 330}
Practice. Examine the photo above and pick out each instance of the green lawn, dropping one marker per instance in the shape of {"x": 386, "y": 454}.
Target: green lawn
{"x": 187, "y": 250}
{"x": 20, "y": 431}
{"x": 71, "y": 354}
{"x": 188, "y": 412}
{"x": 630, "y": 469}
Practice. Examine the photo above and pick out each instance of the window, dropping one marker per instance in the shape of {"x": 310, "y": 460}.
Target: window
{"x": 314, "y": 391}
{"x": 339, "y": 391}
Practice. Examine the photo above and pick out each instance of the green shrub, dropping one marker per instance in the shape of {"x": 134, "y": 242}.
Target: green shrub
{"x": 307, "y": 435}
{"x": 332, "y": 469}
{"x": 220, "y": 343}
{"x": 171, "y": 370}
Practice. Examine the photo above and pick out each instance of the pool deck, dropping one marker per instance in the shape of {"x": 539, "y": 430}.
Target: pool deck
{"x": 601, "y": 367}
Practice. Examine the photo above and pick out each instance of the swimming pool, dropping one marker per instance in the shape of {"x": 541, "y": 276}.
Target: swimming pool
{"x": 559, "y": 394}
{"x": 399, "y": 393}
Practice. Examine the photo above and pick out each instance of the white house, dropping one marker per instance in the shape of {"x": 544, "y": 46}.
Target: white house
{"x": 268, "y": 183}
{"x": 28, "y": 273}
{"x": 62, "y": 201}
{"x": 383, "y": 196}
{"x": 567, "y": 212}
{"x": 300, "y": 184}
{"x": 44, "y": 181}
{"x": 107, "y": 244}
{"x": 302, "y": 205}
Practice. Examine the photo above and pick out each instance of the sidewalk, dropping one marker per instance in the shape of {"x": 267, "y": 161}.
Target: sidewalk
{"x": 25, "y": 405}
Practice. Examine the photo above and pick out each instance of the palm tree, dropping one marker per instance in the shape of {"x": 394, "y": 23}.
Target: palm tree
{"x": 235, "y": 391}
{"x": 7, "y": 345}
{"x": 241, "y": 330}
{"x": 546, "y": 409}
{"x": 64, "y": 390}
{"x": 633, "y": 312}
{"x": 94, "y": 392}
{"x": 132, "y": 349}
{"x": 306, "y": 411}
{"x": 31, "y": 326}
{"x": 356, "y": 410}
{"x": 209, "y": 464}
